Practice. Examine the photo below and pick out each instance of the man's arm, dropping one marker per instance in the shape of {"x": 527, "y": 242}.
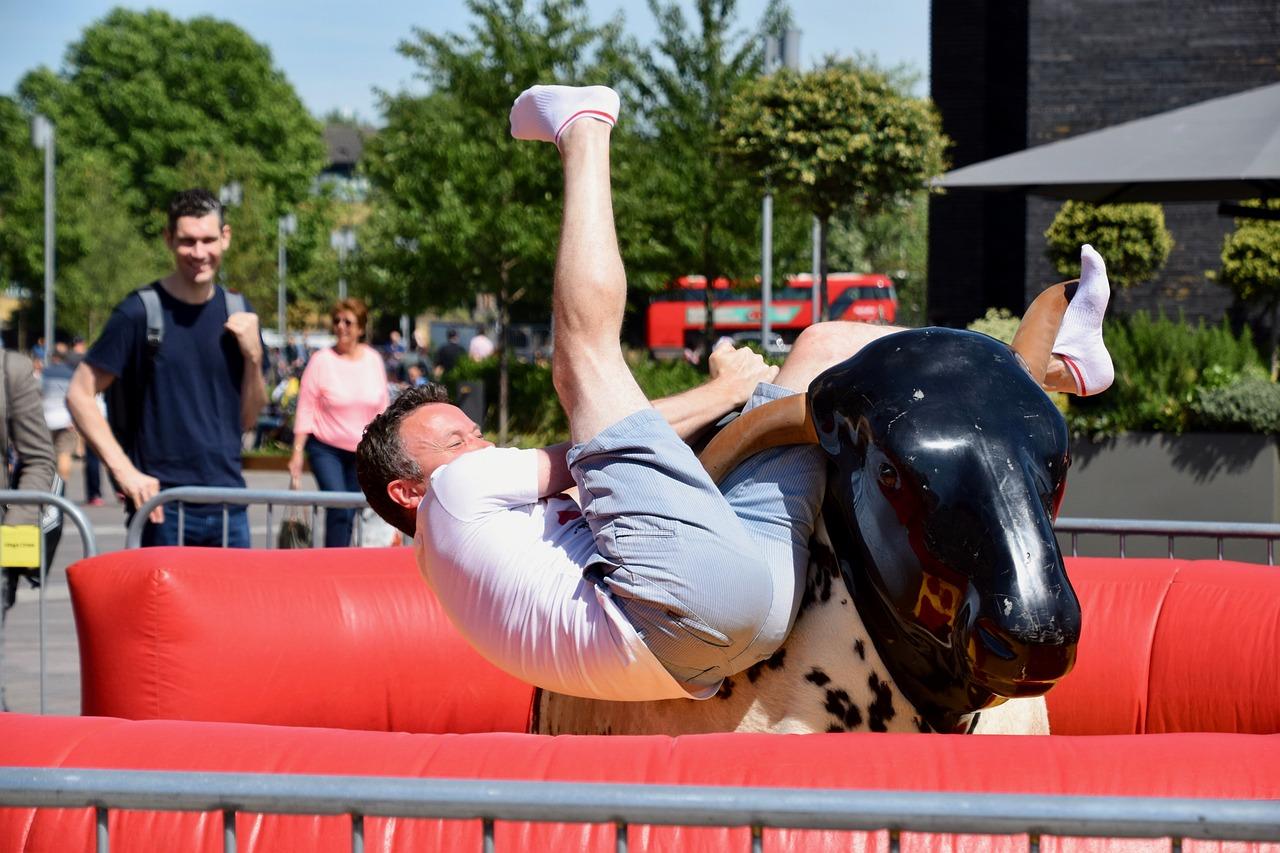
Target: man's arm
{"x": 734, "y": 375}
{"x": 28, "y": 436}
{"x": 86, "y": 383}
{"x": 253, "y": 389}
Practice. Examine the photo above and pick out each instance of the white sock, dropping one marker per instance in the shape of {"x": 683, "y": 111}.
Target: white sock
{"x": 1079, "y": 342}
{"x": 545, "y": 112}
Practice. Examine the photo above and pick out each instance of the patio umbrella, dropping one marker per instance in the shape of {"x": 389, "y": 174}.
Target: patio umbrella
{"x": 1224, "y": 148}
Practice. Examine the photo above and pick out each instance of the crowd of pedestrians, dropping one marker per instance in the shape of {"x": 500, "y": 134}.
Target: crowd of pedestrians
{"x": 179, "y": 377}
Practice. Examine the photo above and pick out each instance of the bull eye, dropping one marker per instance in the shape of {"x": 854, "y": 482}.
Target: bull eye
{"x": 888, "y": 476}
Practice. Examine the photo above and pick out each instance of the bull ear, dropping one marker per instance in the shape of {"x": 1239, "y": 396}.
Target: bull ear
{"x": 1033, "y": 341}
{"x": 784, "y": 421}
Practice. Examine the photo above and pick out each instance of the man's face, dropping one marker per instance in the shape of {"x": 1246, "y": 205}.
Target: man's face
{"x": 197, "y": 244}
{"x": 438, "y": 433}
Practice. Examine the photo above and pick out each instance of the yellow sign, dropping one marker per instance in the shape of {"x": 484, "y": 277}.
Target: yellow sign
{"x": 20, "y": 546}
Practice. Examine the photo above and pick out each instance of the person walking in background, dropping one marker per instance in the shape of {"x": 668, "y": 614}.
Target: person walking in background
{"x": 55, "y": 379}
{"x": 92, "y": 465}
{"x": 481, "y": 346}
{"x": 25, "y": 438}
{"x": 449, "y": 354}
{"x": 187, "y": 357}
{"x": 343, "y": 388}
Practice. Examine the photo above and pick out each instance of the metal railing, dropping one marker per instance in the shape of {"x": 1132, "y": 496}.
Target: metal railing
{"x": 227, "y": 498}
{"x": 1220, "y": 531}
{"x": 621, "y": 805}
{"x": 40, "y": 500}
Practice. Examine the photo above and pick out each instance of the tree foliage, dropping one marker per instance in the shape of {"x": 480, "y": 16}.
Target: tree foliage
{"x": 460, "y": 208}
{"x": 145, "y": 105}
{"x": 1132, "y": 237}
{"x": 1251, "y": 268}
{"x": 843, "y": 137}
{"x": 695, "y": 214}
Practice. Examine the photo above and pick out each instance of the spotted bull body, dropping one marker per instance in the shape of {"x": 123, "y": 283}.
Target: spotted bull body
{"x": 935, "y": 587}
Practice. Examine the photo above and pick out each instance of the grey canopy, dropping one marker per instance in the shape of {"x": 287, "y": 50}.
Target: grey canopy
{"x": 1225, "y": 148}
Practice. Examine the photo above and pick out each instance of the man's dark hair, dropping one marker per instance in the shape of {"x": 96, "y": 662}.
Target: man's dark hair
{"x": 194, "y": 202}
{"x": 451, "y": 335}
{"x": 380, "y": 456}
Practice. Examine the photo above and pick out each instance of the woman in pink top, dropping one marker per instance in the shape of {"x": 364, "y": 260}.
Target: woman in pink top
{"x": 343, "y": 388}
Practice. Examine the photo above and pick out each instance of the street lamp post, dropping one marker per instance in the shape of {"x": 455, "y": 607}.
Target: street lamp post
{"x": 779, "y": 51}
{"x": 287, "y": 226}
{"x": 230, "y": 195}
{"x": 42, "y": 136}
{"x": 343, "y": 241}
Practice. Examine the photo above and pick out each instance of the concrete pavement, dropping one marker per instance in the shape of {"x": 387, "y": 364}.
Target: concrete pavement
{"x": 21, "y": 667}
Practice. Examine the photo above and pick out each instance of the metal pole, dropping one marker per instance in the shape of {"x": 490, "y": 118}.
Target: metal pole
{"x": 282, "y": 262}
{"x": 49, "y": 259}
{"x": 766, "y": 269}
{"x": 817, "y": 271}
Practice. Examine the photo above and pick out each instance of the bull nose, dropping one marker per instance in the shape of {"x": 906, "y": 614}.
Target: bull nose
{"x": 1025, "y": 656}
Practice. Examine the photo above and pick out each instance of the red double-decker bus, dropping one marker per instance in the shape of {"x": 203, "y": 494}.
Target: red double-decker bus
{"x": 677, "y": 315}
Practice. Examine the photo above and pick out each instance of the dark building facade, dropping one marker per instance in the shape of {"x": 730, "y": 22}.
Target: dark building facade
{"x": 1010, "y": 75}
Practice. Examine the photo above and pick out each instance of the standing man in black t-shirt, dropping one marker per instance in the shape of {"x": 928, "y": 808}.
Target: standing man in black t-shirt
{"x": 190, "y": 398}
{"x": 449, "y": 353}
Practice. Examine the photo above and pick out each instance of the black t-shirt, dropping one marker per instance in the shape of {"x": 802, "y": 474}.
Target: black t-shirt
{"x": 447, "y": 356}
{"x": 188, "y": 414}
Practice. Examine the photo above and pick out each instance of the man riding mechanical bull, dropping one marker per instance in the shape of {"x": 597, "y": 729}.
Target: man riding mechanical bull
{"x": 668, "y": 575}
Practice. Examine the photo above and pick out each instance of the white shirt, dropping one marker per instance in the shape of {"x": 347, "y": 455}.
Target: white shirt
{"x": 507, "y": 568}
{"x": 480, "y": 347}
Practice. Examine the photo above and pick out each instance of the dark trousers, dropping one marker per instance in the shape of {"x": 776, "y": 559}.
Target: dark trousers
{"x": 92, "y": 474}
{"x": 335, "y": 471}
{"x": 201, "y": 525}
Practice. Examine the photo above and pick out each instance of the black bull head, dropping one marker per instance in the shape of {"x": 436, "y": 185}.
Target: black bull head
{"x": 948, "y": 463}
{"x": 947, "y": 466}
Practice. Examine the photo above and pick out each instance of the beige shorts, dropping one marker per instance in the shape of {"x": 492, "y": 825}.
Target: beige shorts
{"x": 64, "y": 441}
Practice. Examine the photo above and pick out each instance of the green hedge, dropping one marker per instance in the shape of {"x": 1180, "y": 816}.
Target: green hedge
{"x": 535, "y": 416}
{"x": 1170, "y": 377}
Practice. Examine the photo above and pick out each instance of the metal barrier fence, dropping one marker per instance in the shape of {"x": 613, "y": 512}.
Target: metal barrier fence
{"x": 1220, "y": 531}
{"x": 622, "y": 805}
{"x": 228, "y": 498}
{"x": 40, "y": 500}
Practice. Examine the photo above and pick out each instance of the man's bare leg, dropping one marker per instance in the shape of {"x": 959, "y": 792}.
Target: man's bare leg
{"x": 596, "y": 387}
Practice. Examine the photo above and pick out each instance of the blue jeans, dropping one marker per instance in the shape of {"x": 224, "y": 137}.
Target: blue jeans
{"x": 335, "y": 471}
{"x": 201, "y": 525}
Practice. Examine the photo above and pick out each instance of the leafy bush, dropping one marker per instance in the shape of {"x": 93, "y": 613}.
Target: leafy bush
{"x": 999, "y": 323}
{"x": 1161, "y": 367}
{"x": 1252, "y": 405}
{"x": 535, "y": 415}
{"x": 1131, "y": 237}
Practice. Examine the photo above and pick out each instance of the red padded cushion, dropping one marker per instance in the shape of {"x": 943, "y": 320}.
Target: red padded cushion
{"x": 1172, "y": 646}
{"x": 1187, "y": 765}
{"x": 342, "y": 638}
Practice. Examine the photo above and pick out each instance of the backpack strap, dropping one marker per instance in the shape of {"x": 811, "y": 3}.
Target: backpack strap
{"x": 235, "y": 302}
{"x": 155, "y": 317}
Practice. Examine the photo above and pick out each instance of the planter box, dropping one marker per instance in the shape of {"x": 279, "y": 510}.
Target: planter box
{"x": 1190, "y": 477}
{"x": 269, "y": 463}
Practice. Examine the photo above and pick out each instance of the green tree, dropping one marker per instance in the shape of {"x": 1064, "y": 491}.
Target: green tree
{"x": 1251, "y": 269}
{"x": 695, "y": 213}
{"x": 843, "y": 137}
{"x": 145, "y": 105}
{"x": 460, "y": 208}
{"x": 1132, "y": 237}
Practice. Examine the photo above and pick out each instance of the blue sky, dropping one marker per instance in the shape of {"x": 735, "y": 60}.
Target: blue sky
{"x": 336, "y": 53}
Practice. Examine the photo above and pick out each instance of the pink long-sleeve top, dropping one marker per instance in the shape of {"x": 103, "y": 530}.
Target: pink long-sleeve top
{"x": 340, "y": 396}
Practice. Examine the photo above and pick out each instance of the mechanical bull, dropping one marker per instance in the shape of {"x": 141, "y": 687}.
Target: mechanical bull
{"x": 936, "y": 588}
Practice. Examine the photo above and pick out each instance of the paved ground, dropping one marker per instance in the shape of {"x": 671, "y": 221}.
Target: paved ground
{"x": 21, "y": 669}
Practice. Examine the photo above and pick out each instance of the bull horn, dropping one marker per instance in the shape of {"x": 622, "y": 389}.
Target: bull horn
{"x": 1039, "y": 328}
{"x": 783, "y": 421}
